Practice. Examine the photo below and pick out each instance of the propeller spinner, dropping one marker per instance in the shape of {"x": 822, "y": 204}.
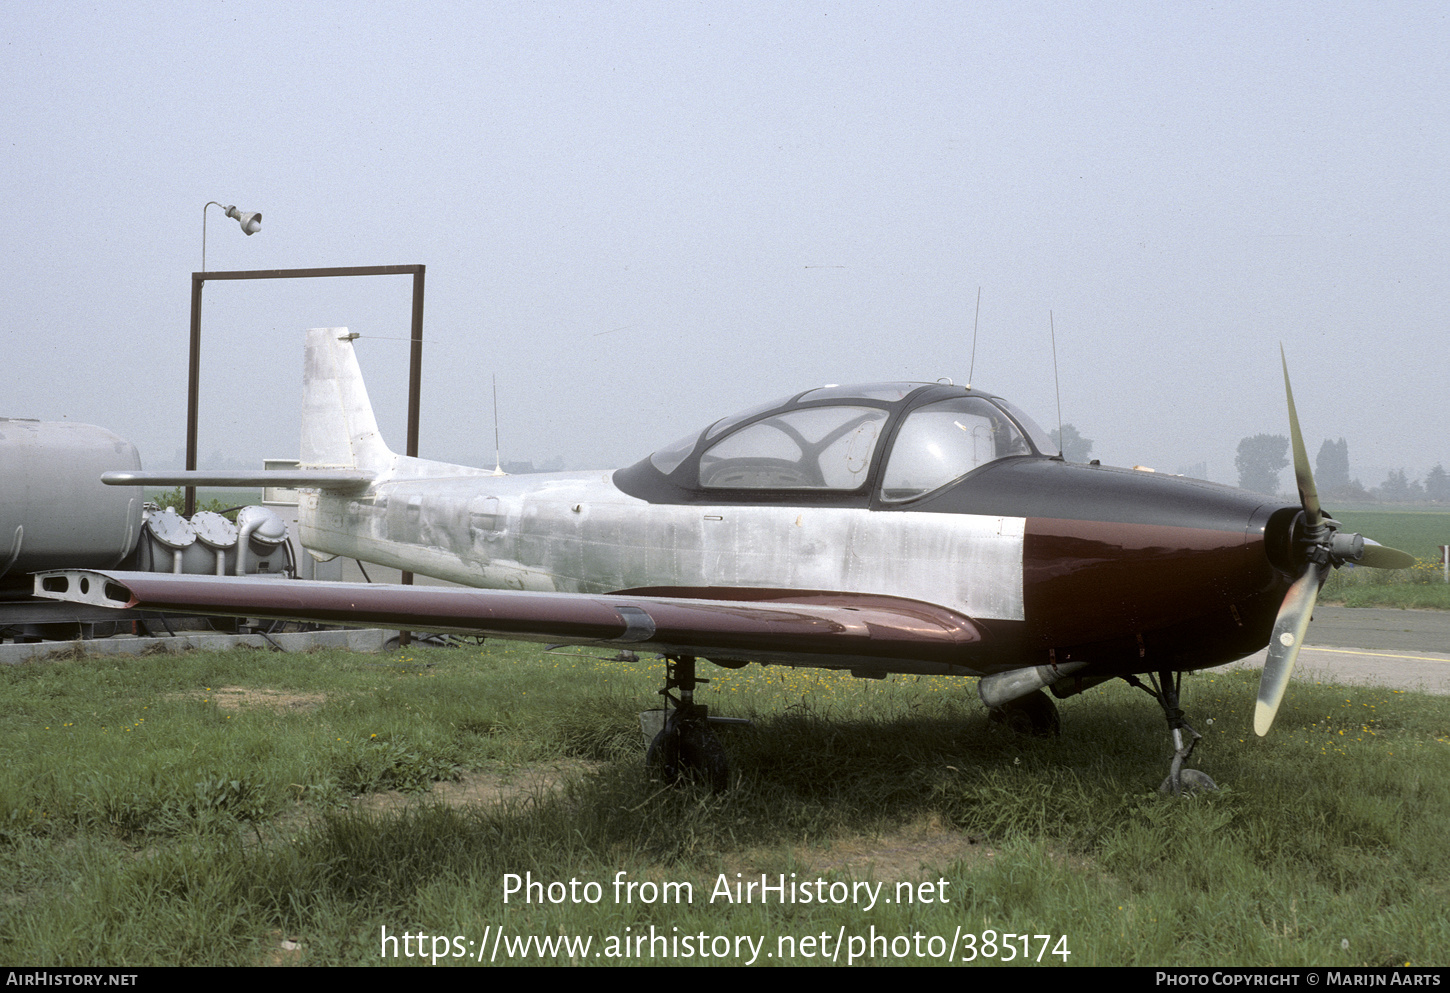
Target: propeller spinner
{"x": 1321, "y": 546}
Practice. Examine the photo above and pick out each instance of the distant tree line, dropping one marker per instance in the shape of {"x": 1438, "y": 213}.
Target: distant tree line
{"x": 1263, "y": 457}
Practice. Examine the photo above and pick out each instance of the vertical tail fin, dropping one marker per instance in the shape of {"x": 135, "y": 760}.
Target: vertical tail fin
{"x": 339, "y": 430}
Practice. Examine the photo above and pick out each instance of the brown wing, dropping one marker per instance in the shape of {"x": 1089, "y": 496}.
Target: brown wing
{"x": 780, "y": 626}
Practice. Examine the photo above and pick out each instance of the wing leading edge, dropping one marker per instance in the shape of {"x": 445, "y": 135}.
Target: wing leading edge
{"x": 882, "y": 633}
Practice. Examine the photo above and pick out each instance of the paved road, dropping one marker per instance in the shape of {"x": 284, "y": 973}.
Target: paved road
{"x": 1404, "y": 649}
{"x": 1381, "y": 629}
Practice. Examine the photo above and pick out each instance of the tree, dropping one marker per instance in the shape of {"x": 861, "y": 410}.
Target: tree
{"x": 1331, "y": 468}
{"x": 1354, "y": 493}
{"x": 176, "y": 499}
{"x": 1260, "y": 460}
{"x": 1398, "y": 488}
{"x": 1437, "y": 485}
{"x": 1075, "y": 448}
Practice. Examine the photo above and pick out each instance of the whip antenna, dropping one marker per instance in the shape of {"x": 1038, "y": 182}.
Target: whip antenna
{"x": 973, "y": 367}
{"x": 1056, "y": 385}
{"x": 497, "y": 459}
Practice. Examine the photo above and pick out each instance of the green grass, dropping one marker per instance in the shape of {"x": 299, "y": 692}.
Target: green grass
{"x": 1357, "y": 591}
{"x": 1422, "y": 586}
{"x": 145, "y": 818}
{"x": 1421, "y": 533}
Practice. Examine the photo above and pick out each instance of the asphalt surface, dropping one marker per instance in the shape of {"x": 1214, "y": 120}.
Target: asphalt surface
{"x": 1402, "y": 649}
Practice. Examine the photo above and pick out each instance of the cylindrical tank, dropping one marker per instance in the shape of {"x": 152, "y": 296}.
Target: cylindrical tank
{"x": 54, "y": 511}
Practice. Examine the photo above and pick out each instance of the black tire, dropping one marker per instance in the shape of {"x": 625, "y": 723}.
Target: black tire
{"x": 1190, "y": 781}
{"x": 689, "y": 753}
{"x": 1034, "y": 715}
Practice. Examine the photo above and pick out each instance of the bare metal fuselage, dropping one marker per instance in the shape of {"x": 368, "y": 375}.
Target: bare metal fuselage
{"x": 578, "y": 533}
{"x": 1039, "y": 588}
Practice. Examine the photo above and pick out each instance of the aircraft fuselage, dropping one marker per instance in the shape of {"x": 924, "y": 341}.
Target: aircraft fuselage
{"x": 1090, "y": 553}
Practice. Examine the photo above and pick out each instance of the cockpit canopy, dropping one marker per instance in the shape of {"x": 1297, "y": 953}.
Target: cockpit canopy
{"x": 918, "y": 437}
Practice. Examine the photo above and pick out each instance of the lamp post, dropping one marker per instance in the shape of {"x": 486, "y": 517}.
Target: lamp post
{"x": 251, "y": 223}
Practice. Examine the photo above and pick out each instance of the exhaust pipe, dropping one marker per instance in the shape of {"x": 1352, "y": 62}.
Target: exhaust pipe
{"x": 1004, "y": 687}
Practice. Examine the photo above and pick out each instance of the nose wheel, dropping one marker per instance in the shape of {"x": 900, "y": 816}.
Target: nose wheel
{"x": 1180, "y": 781}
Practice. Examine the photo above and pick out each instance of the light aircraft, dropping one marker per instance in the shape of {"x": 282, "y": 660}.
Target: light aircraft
{"x": 880, "y": 528}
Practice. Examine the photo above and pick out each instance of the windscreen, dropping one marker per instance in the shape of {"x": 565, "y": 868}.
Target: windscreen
{"x": 942, "y": 441}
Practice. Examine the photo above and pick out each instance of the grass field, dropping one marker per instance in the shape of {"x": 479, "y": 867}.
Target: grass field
{"x": 252, "y": 808}
{"x": 1421, "y": 533}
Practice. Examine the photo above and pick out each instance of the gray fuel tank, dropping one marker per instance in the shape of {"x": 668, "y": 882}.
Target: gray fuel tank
{"x": 54, "y": 511}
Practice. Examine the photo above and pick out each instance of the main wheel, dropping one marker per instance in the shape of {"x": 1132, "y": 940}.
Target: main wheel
{"x": 1034, "y": 714}
{"x": 688, "y": 751}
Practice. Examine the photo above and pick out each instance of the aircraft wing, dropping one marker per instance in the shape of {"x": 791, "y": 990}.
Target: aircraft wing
{"x": 836, "y": 630}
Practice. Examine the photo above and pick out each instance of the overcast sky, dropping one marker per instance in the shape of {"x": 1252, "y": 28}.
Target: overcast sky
{"x": 644, "y": 216}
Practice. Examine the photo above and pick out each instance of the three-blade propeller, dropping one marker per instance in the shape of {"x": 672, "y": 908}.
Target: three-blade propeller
{"x": 1321, "y": 547}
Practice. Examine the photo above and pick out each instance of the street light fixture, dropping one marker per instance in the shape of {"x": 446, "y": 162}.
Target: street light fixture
{"x": 251, "y": 223}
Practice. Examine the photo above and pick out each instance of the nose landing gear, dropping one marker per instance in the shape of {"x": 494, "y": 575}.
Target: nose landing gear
{"x": 1180, "y": 781}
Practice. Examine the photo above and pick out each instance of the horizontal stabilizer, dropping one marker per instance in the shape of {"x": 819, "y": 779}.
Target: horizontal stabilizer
{"x": 341, "y": 480}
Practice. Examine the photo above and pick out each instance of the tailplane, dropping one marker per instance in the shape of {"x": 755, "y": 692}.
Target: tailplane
{"x": 341, "y": 447}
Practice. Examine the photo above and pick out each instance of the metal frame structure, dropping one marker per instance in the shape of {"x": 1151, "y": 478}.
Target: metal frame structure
{"x": 415, "y": 355}
{"x": 415, "y": 350}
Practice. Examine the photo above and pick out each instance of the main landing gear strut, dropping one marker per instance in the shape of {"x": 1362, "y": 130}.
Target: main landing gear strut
{"x": 686, "y": 748}
{"x": 1165, "y": 690}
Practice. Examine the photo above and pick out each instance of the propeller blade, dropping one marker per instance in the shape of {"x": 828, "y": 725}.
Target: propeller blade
{"x": 1308, "y": 494}
{"x": 1289, "y": 628}
{"x": 1383, "y": 557}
